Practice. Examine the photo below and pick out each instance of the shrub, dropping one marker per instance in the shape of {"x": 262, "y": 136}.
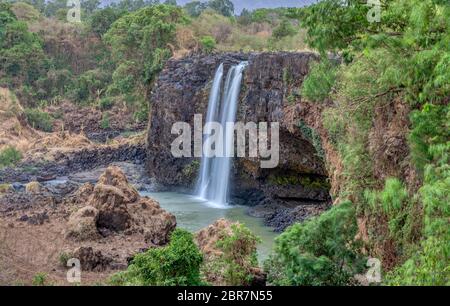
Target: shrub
{"x": 105, "y": 124}
{"x": 237, "y": 259}
{"x": 106, "y": 103}
{"x": 9, "y": 156}
{"x": 208, "y": 44}
{"x": 319, "y": 82}
{"x": 320, "y": 251}
{"x": 39, "y": 120}
{"x": 40, "y": 279}
{"x": 177, "y": 264}
{"x": 284, "y": 29}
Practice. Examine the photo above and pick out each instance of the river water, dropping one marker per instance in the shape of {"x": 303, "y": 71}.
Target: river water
{"x": 193, "y": 214}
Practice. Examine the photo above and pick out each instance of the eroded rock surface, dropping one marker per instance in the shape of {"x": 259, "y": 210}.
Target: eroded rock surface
{"x": 115, "y": 206}
{"x": 270, "y": 85}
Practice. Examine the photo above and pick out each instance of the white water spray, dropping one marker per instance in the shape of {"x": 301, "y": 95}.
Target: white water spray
{"x": 214, "y": 176}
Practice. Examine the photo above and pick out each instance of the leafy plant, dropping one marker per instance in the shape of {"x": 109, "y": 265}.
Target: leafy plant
{"x": 237, "y": 258}
{"x": 208, "y": 44}
{"x": 39, "y": 119}
{"x": 177, "y": 264}
{"x": 105, "y": 123}
{"x": 320, "y": 251}
{"x": 40, "y": 279}
{"x": 9, "y": 156}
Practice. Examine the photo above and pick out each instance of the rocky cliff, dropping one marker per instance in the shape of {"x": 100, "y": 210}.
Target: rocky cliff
{"x": 270, "y": 84}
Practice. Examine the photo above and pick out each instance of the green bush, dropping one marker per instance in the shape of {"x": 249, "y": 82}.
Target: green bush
{"x": 320, "y": 251}
{"x": 238, "y": 257}
{"x": 9, "y": 156}
{"x": 318, "y": 84}
{"x": 40, "y": 279}
{"x": 39, "y": 120}
{"x": 208, "y": 44}
{"x": 177, "y": 264}
{"x": 106, "y": 103}
{"x": 284, "y": 29}
{"x": 105, "y": 123}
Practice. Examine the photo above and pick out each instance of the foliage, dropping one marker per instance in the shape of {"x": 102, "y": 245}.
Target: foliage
{"x": 177, "y": 264}
{"x": 101, "y": 20}
{"x": 195, "y": 8}
{"x": 105, "y": 123}
{"x": 140, "y": 43}
{"x": 40, "y": 279}
{"x": 238, "y": 257}
{"x": 313, "y": 137}
{"x": 208, "y": 44}
{"x": 284, "y": 29}
{"x": 319, "y": 83}
{"x": 21, "y": 52}
{"x": 402, "y": 58}
{"x": 39, "y": 120}
{"x": 320, "y": 251}
{"x": 223, "y": 7}
{"x": 9, "y": 156}
{"x": 430, "y": 261}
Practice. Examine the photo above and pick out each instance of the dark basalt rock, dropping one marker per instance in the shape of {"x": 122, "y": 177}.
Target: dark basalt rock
{"x": 182, "y": 90}
{"x": 73, "y": 162}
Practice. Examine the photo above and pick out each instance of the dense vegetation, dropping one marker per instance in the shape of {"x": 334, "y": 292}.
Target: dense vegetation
{"x": 367, "y": 69}
{"x": 178, "y": 264}
{"x": 112, "y": 56}
{"x": 405, "y": 58}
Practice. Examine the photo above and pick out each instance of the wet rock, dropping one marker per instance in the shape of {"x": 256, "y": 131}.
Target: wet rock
{"x": 82, "y": 224}
{"x": 279, "y": 215}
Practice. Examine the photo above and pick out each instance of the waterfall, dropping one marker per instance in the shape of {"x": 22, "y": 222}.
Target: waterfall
{"x": 214, "y": 175}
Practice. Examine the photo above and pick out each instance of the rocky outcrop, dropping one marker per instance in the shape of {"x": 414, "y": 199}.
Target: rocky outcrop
{"x": 64, "y": 163}
{"x": 269, "y": 89}
{"x": 115, "y": 206}
{"x": 82, "y": 224}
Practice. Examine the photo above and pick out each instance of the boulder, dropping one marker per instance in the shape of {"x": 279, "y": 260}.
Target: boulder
{"x": 114, "y": 176}
{"x": 156, "y": 223}
{"x": 115, "y": 206}
{"x": 33, "y": 187}
{"x": 82, "y": 224}
{"x": 111, "y": 203}
{"x": 91, "y": 260}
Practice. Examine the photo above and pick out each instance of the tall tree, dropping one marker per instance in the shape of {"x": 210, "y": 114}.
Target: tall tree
{"x": 223, "y": 7}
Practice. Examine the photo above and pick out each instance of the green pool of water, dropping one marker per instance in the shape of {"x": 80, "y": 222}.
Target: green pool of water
{"x": 194, "y": 214}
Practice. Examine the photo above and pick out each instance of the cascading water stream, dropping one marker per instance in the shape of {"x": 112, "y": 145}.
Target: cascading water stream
{"x": 214, "y": 175}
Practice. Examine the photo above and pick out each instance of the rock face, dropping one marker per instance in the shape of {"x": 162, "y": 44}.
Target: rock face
{"x": 115, "y": 206}
{"x": 270, "y": 81}
{"x": 82, "y": 224}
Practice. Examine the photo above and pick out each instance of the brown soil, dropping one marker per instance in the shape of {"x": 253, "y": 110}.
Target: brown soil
{"x": 33, "y": 237}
